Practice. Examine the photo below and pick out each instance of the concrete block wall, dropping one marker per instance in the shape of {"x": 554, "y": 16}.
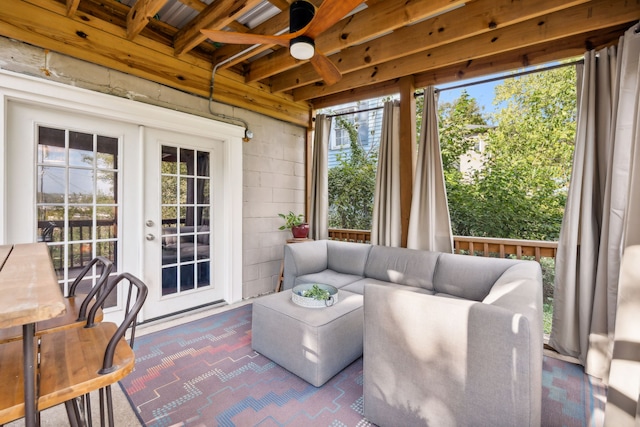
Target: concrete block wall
{"x": 274, "y": 182}
{"x": 273, "y": 161}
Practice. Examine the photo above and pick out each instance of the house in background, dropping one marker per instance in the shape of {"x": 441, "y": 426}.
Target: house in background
{"x": 365, "y": 116}
{"x": 473, "y": 160}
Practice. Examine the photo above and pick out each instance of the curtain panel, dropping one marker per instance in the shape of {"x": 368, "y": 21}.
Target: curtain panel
{"x": 319, "y": 209}
{"x": 429, "y": 221}
{"x": 597, "y": 211}
{"x": 386, "y": 226}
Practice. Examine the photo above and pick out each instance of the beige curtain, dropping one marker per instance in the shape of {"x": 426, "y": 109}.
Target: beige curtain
{"x": 319, "y": 209}
{"x": 591, "y": 239}
{"x": 629, "y": 123}
{"x": 429, "y": 223}
{"x": 623, "y": 396}
{"x": 622, "y": 409}
{"x": 386, "y": 227}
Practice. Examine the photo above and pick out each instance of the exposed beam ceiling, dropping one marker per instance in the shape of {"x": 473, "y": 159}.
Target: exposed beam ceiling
{"x": 434, "y": 41}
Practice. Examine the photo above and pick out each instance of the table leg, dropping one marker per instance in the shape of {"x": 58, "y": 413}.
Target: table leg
{"x": 280, "y": 276}
{"x": 28, "y": 332}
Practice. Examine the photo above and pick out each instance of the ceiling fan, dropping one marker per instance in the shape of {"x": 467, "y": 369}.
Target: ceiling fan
{"x": 305, "y": 24}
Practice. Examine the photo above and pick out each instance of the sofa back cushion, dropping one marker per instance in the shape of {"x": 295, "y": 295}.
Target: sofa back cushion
{"x": 305, "y": 258}
{"x": 403, "y": 266}
{"x": 468, "y": 277}
{"x": 348, "y": 258}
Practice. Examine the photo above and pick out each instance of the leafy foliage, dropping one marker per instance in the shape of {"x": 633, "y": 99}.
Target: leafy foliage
{"x": 352, "y": 183}
{"x": 291, "y": 220}
{"x": 521, "y": 188}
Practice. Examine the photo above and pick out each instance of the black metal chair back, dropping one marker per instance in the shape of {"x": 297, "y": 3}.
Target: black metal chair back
{"x": 133, "y": 306}
{"x": 106, "y": 267}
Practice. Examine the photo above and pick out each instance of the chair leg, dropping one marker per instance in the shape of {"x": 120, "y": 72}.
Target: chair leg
{"x": 101, "y": 396}
{"x": 110, "y": 406}
{"x": 87, "y": 414}
{"x": 73, "y": 413}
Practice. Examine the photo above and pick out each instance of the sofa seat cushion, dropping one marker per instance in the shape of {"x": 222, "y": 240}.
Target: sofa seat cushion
{"x": 402, "y": 266}
{"x": 327, "y": 277}
{"x": 357, "y": 287}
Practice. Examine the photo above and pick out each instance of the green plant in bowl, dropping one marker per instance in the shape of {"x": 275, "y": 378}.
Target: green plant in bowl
{"x": 291, "y": 220}
{"x": 316, "y": 293}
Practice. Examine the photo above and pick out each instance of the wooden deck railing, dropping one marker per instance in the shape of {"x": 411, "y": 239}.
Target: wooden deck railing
{"x": 479, "y": 246}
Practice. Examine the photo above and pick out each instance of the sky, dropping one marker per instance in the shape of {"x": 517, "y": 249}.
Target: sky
{"x": 483, "y": 92}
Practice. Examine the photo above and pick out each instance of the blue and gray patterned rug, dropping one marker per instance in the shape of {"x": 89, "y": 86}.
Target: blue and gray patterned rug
{"x": 205, "y": 373}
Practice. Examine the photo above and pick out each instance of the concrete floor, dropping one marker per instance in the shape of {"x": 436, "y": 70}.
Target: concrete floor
{"x": 124, "y": 416}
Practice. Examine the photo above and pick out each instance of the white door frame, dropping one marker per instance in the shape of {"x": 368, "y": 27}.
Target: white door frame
{"x": 26, "y": 89}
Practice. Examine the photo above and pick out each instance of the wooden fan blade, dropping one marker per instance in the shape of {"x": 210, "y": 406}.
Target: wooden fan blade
{"x": 327, "y": 70}
{"x": 229, "y": 37}
{"x": 329, "y": 12}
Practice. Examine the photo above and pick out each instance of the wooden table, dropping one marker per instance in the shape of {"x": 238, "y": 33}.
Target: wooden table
{"x": 30, "y": 293}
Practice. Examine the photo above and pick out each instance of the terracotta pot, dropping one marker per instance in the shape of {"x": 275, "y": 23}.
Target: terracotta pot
{"x": 300, "y": 231}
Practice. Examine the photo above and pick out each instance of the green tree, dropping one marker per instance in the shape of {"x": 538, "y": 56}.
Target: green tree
{"x": 352, "y": 183}
{"x": 460, "y": 124}
{"x": 520, "y": 189}
{"x": 524, "y": 180}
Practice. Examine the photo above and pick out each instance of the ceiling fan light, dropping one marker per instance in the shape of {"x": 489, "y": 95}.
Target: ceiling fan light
{"x": 302, "y": 48}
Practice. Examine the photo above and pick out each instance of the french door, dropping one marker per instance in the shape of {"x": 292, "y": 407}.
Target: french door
{"x": 183, "y": 247}
{"x": 157, "y": 191}
{"x": 65, "y": 188}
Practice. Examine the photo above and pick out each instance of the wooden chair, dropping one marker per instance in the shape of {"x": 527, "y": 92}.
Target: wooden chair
{"x": 74, "y": 362}
{"x": 12, "y": 380}
{"x": 76, "y": 305}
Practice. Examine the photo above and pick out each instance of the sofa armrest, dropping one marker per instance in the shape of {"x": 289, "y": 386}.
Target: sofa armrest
{"x": 434, "y": 360}
{"x": 519, "y": 289}
{"x": 303, "y": 258}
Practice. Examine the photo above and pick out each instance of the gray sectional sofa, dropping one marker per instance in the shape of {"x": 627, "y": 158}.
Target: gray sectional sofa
{"x": 449, "y": 340}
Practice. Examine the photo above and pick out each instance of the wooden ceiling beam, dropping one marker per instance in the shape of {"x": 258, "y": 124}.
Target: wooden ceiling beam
{"x": 592, "y": 16}
{"x": 197, "y": 5}
{"x": 480, "y": 17}
{"x": 372, "y": 22}
{"x": 271, "y": 26}
{"x": 99, "y": 42}
{"x": 216, "y": 16}
{"x": 140, "y": 14}
{"x": 72, "y": 6}
{"x": 543, "y": 53}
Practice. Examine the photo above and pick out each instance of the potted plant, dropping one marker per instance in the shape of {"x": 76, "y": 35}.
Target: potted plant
{"x": 296, "y": 224}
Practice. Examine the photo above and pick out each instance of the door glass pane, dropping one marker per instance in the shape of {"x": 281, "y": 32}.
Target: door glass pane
{"x": 51, "y": 145}
{"x": 50, "y": 183}
{"x": 107, "y": 152}
{"x": 50, "y": 223}
{"x": 77, "y": 201}
{"x": 185, "y": 219}
{"x": 81, "y": 185}
{"x": 80, "y": 149}
{"x": 106, "y": 187}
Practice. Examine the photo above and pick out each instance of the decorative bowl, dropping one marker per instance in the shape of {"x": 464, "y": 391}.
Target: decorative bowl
{"x": 309, "y": 302}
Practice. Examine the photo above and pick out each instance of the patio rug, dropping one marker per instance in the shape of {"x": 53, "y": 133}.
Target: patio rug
{"x": 205, "y": 373}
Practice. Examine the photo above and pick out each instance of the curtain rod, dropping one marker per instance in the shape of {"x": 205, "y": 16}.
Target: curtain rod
{"x": 346, "y": 113}
{"x": 508, "y": 76}
{"x": 493, "y": 79}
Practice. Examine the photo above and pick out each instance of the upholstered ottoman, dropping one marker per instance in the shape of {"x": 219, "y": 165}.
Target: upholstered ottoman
{"x": 313, "y": 343}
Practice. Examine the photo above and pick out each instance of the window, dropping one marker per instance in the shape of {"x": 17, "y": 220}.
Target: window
{"x": 341, "y": 135}
{"x": 186, "y": 189}
{"x": 77, "y": 200}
